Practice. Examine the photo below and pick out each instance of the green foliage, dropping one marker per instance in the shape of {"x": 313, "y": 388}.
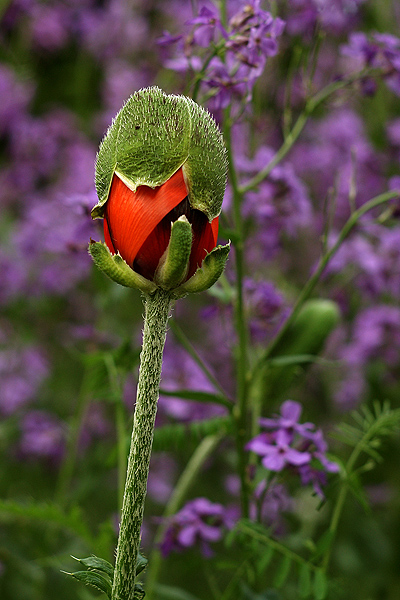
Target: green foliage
{"x": 279, "y": 561}
{"x": 179, "y": 435}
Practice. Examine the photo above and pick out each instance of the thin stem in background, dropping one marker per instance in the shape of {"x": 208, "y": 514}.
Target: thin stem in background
{"x": 120, "y": 424}
{"x": 68, "y": 466}
{"x": 323, "y": 262}
{"x": 193, "y": 467}
{"x": 190, "y": 349}
{"x": 240, "y": 410}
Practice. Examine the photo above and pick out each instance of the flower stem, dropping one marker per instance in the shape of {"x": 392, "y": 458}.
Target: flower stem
{"x": 157, "y": 308}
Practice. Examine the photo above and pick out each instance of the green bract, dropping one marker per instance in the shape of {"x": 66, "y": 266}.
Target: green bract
{"x": 151, "y": 137}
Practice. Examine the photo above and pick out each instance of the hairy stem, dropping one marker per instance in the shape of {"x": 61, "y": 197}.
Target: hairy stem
{"x": 157, "y": 309}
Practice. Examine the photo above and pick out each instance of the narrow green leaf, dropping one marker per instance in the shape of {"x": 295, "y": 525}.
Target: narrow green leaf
{"x": 169, "y": 592}
{"x": 304, "y": 581}
{"x": 94, "y": 579}
{"x": 323, "y": 544}
{"x": 198, "y": 396}
{"x": 282, "y": 572}
{"x": 320, "y": 585}
{"x": 265, "y": 559}
{"x": 99, "y": 564}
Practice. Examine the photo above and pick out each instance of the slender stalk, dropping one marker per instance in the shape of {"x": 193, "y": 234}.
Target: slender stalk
{"x": 323, "y": 262}
{"x": 311, "y": 104}
{"x": 193, "y": 467}
{"x": 120, "y": 424}
{"x": 240, "y": 410}
{"x": 69, "y": 463}
{"x": 157, "y": 308}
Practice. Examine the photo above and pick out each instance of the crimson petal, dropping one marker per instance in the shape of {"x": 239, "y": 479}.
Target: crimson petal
{"x": 130, "y": 217}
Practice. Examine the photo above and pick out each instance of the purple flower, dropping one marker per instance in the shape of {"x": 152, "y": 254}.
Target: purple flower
{"x": 198, "y": 522}
{"x": 206, "y": 25}
{"x": 381, "y": 51}
{"x": 297, "y": 446}
{"x": 180, "y": 372}
{"x": 42, "y": 436}
{"x": 264, "y": 304}
{"x": 22, "y": 371}
{"x": 288, "y": 420}
{"x": 276, "y": 451}
{"x": 334, "y": 16}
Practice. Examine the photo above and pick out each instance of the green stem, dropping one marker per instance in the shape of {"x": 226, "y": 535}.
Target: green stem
{"x": 157, "y": 308}
{"x": 240, "y": 410}
{"x": 311, "y": 104}
{"x": 193, "y": 467}
{"x": 188, "y": 346}
{"x": 120, "y": 424}
{"x": 323, "y": 262}
{"x": 68, "y": 465}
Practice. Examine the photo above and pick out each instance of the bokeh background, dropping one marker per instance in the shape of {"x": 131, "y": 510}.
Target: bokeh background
{"x": 70, "y": 339}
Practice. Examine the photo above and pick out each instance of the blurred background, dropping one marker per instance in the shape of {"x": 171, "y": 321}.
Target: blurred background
{"x": 70, "y": 338}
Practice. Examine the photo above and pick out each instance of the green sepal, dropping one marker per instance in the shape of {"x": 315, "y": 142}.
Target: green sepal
{"x": 98, "y": 564}
{"x": 154, "y": 135}
{"x": 141, "y": 563}
{"x": 94, "y": 579}
{"x": 173, "y": 266}
{"x": 114, "y": 266}
{"x": 210, "y": 271}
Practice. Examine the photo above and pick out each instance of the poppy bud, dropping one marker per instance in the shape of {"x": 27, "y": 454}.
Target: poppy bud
{"x": 160, "y": 178}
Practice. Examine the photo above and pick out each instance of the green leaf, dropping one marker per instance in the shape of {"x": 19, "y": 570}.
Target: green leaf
{"x": 99, "y": 564}
{"x": 304, "y": 580}
{"x": 198, "y": 396}
{"x": 93, "y": 579}
{"x": 51, "y": 514}
{"x": 178, "y": 435}
{"x": 320, "y": 586}
{"x": 168, "y": 592}
{"x": 323, "y": 544}
{"x": 282, "y": 572}
{"x": 265, "y": 559}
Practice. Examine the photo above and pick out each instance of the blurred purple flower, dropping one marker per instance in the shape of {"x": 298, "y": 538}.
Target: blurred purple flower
{"x": 15, "y": 97}
{"x": 335, "y": 155}
{"x": 50, "y": 26}
{"x": 22, "y": 371}
{"x": 381, "y": 51}
{"x": 279, "y": 206}
{"x": 334, "y": 16}
{"x": 199, "y": 522}
{"x": 206, "y": 25}
{"x": 180, "y": 372}
{"x": 161, "y": 477}
{"x": 42, "y": 437}
{"x": 264, "y": 304}
{"x": 55, "y": 249}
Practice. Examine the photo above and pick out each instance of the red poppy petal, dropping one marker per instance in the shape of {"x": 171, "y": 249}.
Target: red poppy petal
{"x": 132, "y": 216}
{"x": 204, "y": 240}
{"x": 107, "y": 237}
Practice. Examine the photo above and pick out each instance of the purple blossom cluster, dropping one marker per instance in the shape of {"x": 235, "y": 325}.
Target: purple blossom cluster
{"x": 379, "y": 51}
{"x": 239, "y": 51}
{"x": 200, "y": 522}
{"x": 287, "y": 444}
